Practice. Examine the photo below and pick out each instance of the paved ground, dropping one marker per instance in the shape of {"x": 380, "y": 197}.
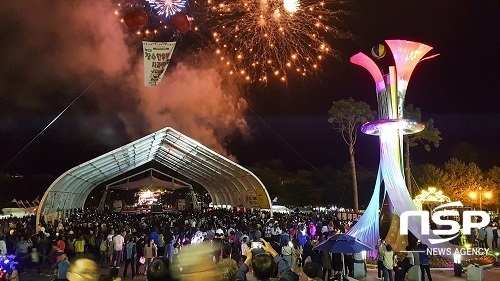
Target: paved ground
{"x": 492, "y": 274}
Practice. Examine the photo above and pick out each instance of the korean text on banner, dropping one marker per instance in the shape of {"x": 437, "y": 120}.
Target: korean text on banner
{"x": 156, "y": 58}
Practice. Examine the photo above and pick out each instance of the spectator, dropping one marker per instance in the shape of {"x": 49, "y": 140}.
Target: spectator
{"x": 119, "y": 242}
{"x": 83, "y": 268}
{"x": 14, "y": 275}
{"x": 130, "y": 256}
{"x": 424, "y": 262}
{"x": 160, "y": 270}
{"x": 380, "y": 258}
{"x": 62, "y": 268}
{"x": 264, "y": 265}
{"x": 227, "y": 269}
{"x": 3, "y": 245}
{"x": 113, "y": 273}
{"x": 149, "y": 252}
{"x": 388, "y": 263}
{"x": 35, "y": 259}
{"x": 311, "y": 270}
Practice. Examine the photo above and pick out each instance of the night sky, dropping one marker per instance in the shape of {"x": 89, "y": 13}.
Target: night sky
{"x": 50, "y": 53}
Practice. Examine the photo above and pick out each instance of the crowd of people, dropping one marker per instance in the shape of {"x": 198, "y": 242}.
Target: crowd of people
{"x": 131, "y": 243}
{"x": 218, "y": 244}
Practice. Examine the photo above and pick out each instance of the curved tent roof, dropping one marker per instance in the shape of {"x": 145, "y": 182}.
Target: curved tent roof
{"x": 227, "y": 182}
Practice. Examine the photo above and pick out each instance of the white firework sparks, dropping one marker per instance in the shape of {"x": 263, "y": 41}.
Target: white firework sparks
{"x": 168, "y": 7}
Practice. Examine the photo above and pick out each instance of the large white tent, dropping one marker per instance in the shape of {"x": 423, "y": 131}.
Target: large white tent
{"x": 227, "y": 182}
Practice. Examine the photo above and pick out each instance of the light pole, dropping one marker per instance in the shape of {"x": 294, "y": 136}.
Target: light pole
{"x": 473, "y": 195}
{"x": 480, "y": 199}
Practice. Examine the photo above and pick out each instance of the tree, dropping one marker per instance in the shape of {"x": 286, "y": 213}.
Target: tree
{"x": 465, "y": 152}
{"x": 428, "y": 136}
{"x": 346, "y": 117}
{"x": 462, "y": 179}
{"x": 427, "y": 175}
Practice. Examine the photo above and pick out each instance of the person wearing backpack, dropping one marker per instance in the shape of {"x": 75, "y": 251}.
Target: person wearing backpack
{"x": 103, "y": 252}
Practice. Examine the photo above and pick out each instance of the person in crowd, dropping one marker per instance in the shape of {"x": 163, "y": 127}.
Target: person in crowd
{"x": 161, "y": 270}
{"x": 424, "y": 262}
{"x": 489, "y": 236}
{"x": 380, "y": 258}
{"x": 62, "y": 268}
{"x": 399, "y": 271}
{"x": 161, "y": 244}
{"x": 150, "y": 250}
{"x": 337, "y": 264}
{"x": 264, "y": 265}
{"x": 22, "y": 252}
{"x": 296, "y": 255}
{"x": 349, "y": 264}
{"x": 3, "y": 245}
{"x": 286, "y": 252}
{"x": 119, "y": 242}
{"x": 14, "y": 274}
{"x": 130, "y": 256}
{"x": 317, "y": 257}
{"x": 103, "y": 252}
{"x": 139, "y": 249}
{"x": 43, "y": 245}
{"x": 113, "y": 273}
{"x": 307, "y": 249}
{"x": 494, "y": 244}
{"x": 70, "y": 245}
{"x": 244, "y": 247}
{"x": 79, "y": 245}
{"x": 327, "y": 265}
{"x": 227, "y": 269}
{"x": 234, "y": 250}
{"x": 388, "y": 255}
{"x": 310, "y": 270}
{"x": 105, "y": 277}
{"x": 83, "y": 268}
{"x": 35, "y": 259}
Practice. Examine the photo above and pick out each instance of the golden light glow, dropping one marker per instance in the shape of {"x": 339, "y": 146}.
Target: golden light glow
{"x": 473, "y": 195}
{"x": 432, "y": 195}
{"x": 280, "y": 34}
{"x": 488, "y": 195}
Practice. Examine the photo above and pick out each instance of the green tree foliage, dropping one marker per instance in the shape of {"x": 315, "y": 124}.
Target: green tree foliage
{"x": 346, "y": 117}
{"x": 427, "y": 175}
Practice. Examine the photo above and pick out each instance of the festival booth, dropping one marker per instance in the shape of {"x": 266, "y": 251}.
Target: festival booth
{"x": 19, "y": 208}
{"x": 279, "y": 208}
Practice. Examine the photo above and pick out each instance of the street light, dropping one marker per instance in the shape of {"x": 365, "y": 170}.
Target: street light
{"x": 487, "y": 194}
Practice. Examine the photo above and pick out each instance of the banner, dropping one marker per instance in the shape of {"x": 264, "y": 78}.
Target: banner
{"x": 156, "y": 58}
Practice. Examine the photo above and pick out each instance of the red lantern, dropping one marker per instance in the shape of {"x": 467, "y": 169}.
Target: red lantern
{"x": 140, "y": 18}
{"x": 181, "y": 22}
{"x": 128, "y": 19}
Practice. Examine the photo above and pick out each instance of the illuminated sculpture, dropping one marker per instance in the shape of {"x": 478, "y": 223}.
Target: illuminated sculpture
{"x": 390, "y": 127}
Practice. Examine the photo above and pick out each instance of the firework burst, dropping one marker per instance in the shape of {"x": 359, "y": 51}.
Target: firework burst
{"x": 167, "y": 7}
{"x": 260, "y": 40}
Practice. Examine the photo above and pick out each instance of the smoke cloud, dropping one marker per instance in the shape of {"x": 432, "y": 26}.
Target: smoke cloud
{"x": 52, "y": 50}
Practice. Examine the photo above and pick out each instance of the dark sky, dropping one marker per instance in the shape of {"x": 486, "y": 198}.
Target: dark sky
{"x": 50, "y": 53}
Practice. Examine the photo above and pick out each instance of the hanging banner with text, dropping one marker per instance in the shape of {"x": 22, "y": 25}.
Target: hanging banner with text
{"x": 156, "y": 58}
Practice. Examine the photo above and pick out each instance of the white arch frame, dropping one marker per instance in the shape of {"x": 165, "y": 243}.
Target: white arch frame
{"x": 227, "y": 182}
